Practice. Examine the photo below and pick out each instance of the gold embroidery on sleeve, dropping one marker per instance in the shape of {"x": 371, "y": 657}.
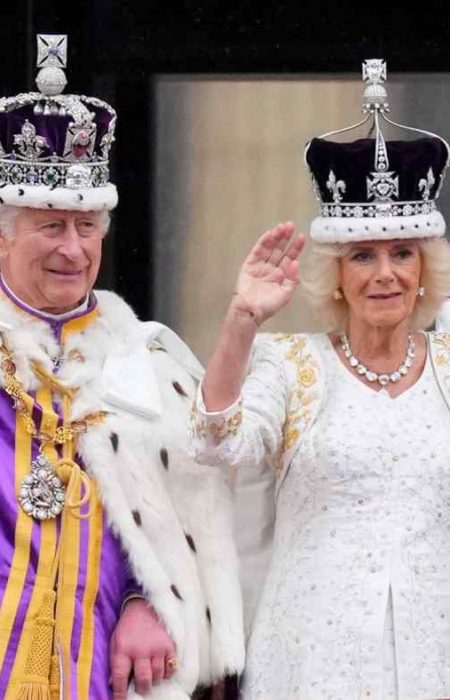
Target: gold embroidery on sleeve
{"x": 218, "y": 429}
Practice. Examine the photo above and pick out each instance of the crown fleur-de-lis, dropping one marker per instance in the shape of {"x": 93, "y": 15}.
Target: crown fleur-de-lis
{"x": 30, "y": 145}
{"x": 425, "y": 185}
{"x": 335, "y": 186}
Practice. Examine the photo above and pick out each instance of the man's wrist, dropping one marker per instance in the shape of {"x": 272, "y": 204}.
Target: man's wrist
{"x": 132, "y": 595}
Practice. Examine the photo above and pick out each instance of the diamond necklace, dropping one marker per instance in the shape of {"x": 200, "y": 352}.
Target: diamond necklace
{"x": 384, "y": 378}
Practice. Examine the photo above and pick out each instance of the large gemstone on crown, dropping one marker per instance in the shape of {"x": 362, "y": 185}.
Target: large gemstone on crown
{"x": 50, "y": 177}
{"x": 16, "y": 175}
{"x": 32, "y": 177}
{"x": 383, "y": 209}
{"x": 80, "y": 144}
{"x": 78, "y": 176}
{"x": 383, "y": 188}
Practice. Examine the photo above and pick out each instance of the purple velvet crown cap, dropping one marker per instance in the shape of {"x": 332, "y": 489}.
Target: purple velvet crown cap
{"x": 352, "y": 163}
{"x": 54, "y": 148}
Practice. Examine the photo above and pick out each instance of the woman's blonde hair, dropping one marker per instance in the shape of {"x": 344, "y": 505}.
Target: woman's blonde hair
{"x": 321, "y": 278}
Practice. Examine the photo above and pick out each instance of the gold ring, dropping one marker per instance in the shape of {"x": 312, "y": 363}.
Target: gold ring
{"x": 172, "y": 663}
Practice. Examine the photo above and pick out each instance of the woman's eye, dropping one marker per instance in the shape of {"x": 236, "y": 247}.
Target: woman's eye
{"x": 403, "y": 253}
{"x": 361, "y": 256}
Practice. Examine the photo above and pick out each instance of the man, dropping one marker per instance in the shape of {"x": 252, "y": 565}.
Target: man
{"x": 116, "y": 554}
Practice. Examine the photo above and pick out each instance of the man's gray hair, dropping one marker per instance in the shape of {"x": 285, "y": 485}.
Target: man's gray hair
{"x": 9, "y": 214}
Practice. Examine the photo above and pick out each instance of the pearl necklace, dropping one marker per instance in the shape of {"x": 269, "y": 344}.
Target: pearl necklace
{"x": 385, "y": 378}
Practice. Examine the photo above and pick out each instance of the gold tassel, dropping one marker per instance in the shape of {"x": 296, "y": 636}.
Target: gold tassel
{"x": 55, "y": 678}
{"x": 35, "y": 685}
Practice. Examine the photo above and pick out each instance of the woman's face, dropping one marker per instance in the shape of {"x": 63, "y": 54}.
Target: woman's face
{"x": 380, "y": 279}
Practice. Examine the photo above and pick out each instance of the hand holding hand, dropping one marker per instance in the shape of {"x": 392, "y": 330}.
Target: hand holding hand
{"x": 270, "y": 273}
{"x": 140, "y": 644}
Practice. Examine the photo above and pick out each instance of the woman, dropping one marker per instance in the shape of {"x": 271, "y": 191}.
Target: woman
{"x": 355, "y": 424}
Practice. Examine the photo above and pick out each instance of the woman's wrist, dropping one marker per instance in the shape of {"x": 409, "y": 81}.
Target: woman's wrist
{"x": 240, "y": 310}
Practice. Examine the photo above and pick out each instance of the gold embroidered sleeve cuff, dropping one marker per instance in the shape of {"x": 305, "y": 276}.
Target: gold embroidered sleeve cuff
{"x": 214, "y": 426}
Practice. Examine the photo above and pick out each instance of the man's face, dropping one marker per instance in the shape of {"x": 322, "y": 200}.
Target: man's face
{"x": 52, "y": 260}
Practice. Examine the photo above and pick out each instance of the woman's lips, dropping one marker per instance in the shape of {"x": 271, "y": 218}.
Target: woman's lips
{"x": 391, "y": 295}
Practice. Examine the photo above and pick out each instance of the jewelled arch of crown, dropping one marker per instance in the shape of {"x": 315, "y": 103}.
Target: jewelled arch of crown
{"x": 382, "y": 184}
{"x": 79, "y": 166}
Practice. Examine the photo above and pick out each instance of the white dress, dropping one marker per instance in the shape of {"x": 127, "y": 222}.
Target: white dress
{"x": 357, "y": 598}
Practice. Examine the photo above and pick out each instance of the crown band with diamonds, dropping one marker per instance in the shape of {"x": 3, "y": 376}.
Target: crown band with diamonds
{"x": 362, "y": 210}
{"x": 70, "y": 175}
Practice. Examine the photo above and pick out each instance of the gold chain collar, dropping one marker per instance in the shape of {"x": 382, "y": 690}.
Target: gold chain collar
{"x": 14, "y": 387}
{"x": 49, "y": 486}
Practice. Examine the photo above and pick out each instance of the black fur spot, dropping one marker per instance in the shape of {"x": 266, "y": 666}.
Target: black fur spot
{"x": 21, "y": 192}
{"x": 190, "y": 542}
{"x": 80, "y": 197}
{"x": 50, "y": 206}
{"x": 208, "y": 615}
{"x": 176, "y": 592}
{"x": 137, "y": 517}
{"x": 114, "y": 441}
{"x": 164, "y": 457}
{"x": 179, "y": 389}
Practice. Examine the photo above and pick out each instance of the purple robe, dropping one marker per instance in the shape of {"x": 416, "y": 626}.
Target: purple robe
{"x": 107, "y": 588}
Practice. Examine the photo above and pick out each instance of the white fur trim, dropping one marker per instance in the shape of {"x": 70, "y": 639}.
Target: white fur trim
{"x": 184, "y": 535}
{"x": 42, "y": 197}
{"x": 348, "y": 229}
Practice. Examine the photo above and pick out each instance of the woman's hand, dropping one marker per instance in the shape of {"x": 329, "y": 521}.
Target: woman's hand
{"x": 270, "y": 273}
{"x": 140, "y": 646}
{"x": 266, "y": 282}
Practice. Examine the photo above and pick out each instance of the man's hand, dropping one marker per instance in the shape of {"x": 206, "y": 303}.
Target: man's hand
{"x": 140, "y": 645}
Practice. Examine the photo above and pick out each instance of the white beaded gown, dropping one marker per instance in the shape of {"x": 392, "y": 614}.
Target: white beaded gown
{"x": 356, "y": 603}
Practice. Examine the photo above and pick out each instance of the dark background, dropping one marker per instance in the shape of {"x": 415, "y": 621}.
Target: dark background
{"x": 116, "y": 46}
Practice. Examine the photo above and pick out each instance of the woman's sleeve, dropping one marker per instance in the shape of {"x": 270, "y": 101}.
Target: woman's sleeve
{"x": 252, "y": 427}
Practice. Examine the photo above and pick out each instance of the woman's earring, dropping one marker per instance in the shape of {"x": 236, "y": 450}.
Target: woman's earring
{"x": 421, "y": 292}
{"x": 337, "y": 295}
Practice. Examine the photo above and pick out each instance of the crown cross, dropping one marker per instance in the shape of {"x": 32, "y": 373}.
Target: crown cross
{"x": 52, "y": 50}
{"x": 335, "y": 186}
{"x": 425, "y": 185}
{"x": 374, "y": 74}
{"x": 382, "y": 186}
{"x": 29, "y": 144}
{"x": 374, "y": 71}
